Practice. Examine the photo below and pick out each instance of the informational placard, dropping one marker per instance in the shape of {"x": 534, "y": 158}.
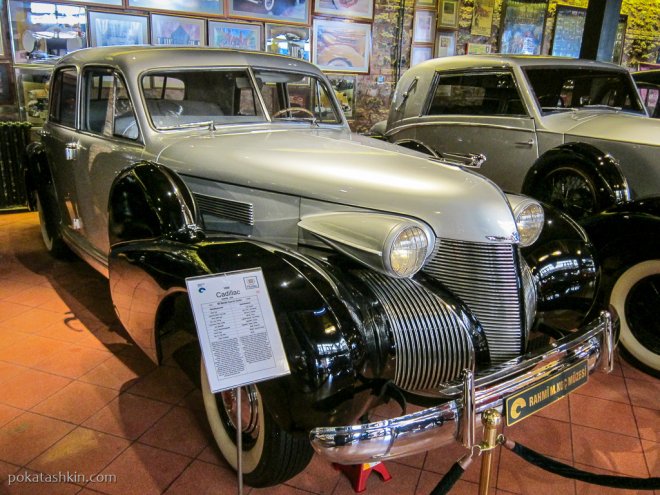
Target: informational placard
{"x": 237, "y": 330}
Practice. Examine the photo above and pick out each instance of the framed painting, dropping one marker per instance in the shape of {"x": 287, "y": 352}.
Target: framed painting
{"x": 292, "y": 11}
{"x": 356, "y": 9}
{"x": 482, "y": 18}
{"x": 448, "y": 14}
{"x": 477, "y": 48}
{"x": 173, "y": 30}
{"x": 420, "y": 53}
{"x": 192, "y": 6}
{"x": 289, "y": 40}
{"x": 109, "y": 29}
{"x": 569, "y": 27}
{"x": 345, "y": 90}
{"x": 239, "y": 35}
{"x": 423, "y": 26}
{"x": 43, "y": 31}
{"x": 341, "y": 46}
{"x": 445, "y": 44}
{"x": 523, "y": 23}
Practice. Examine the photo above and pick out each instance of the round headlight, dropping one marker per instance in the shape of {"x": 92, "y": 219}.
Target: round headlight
{"x": 529, "y": 220}
{"x": 406, "y": 251}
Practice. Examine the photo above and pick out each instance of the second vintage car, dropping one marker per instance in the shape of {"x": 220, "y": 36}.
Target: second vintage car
{"x": 391, "y": 275}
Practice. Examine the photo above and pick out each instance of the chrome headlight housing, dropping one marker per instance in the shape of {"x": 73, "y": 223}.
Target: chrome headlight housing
{"x": 529, "y": 217}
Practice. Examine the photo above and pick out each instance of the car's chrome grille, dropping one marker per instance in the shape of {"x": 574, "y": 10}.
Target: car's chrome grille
{"x": 431, "y": 341}
{"x": 485, "y": 277}
{"x": 225, "y": 208}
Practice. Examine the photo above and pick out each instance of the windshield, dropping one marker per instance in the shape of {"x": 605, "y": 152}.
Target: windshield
{"x": 568, "y": 88}
{"x": 190, "y": 98}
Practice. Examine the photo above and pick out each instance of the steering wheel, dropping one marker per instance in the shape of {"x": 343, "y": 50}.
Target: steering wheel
{"x": 293, "y": 109}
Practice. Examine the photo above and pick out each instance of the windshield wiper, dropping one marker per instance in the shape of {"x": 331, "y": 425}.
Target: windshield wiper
{"x": 206, "y": 123}
{"x": 606, "y": 107}
{"x": 311, "y": 120}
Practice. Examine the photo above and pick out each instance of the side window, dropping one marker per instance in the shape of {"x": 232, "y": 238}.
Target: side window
{"x": 476, "y": 94}
{"x": 108, "y": 109}
{"x": 64, "y": 97}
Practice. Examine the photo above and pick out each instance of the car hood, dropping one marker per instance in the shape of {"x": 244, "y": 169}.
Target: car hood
{"x": 348, "y": 169}
{"x": 605, "y": 124}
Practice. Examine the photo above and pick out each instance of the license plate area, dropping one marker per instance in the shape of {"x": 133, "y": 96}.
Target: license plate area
{"x": 541, "y": 395}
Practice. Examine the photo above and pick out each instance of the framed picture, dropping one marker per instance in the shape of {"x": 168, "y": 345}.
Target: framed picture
{"x": 357, "y": 9}
{"x": 423, "y": 26}
{"x": 32, "y": 92}
{"x": 292, "y": 41}
{"x": 429, "y": 4}
{"x": 116, "y": 3}
{"x": 523, "y": 23}
{"x": 172, "y": 30}
{"x": 235, "y": 35}
{"x": 445, "y": 44}
{"x": 193, "y": 6}
{"x": 108, "y": 29}
{"x": 569, "y": 27}
{"x": 296, "y": 11}
{"x": 420, "y": 53}
{"x": 341, "y": 46}
{"x": 345, "y": 88}
{"x": 482, "y": 18}
{"x": 448, "y": 14}
{"x": 620, "y": 39}
{"x": 477, "y": 48}
{"x": 43, "y": 31}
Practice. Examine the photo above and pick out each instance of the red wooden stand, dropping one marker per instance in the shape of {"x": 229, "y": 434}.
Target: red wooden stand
{"x": 357, "y": 474}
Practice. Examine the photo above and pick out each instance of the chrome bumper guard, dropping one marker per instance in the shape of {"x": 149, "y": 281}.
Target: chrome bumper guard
{"x": 458, "y": 419}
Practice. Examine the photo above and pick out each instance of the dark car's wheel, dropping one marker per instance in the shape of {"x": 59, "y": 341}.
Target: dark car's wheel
{"x": 271, "y": 455}
{"x": 49, "y": 233}
{"x": 636, "y": 297}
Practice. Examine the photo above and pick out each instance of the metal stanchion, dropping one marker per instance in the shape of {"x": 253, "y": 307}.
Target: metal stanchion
{"x": 491, "y": 419}
{"x": 239, "y": 441}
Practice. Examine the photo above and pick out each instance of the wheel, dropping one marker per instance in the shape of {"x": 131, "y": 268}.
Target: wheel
{"x": 49, "y": 233}
{"x": 570, "y": 189}
{"x": 271, "y": 455}
{"x": 636, "y": 297}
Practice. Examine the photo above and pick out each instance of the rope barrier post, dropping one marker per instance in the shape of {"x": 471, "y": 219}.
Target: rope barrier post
{"x": 491, "y": 419}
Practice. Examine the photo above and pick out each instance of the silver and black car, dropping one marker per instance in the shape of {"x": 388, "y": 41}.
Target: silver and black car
{"x": 391, "y": 274}
{"x": 570, "y": 133}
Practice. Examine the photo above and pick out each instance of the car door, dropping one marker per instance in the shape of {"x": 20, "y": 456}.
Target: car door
{"x": 481, "y": 112}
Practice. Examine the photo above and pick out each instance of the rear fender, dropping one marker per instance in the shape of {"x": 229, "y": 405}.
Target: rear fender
{"x": 37, "y": 172}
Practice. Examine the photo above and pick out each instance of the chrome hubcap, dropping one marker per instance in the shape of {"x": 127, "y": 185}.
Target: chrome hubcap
{"x": 249, "y": 410}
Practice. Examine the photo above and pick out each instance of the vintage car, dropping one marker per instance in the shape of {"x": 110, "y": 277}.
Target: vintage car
{"x": 571, "y": 133}
{"x": 390, "y": 274}
{"x": 648, "y": 84}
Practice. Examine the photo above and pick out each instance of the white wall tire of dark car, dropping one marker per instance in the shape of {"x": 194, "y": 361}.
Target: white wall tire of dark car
{"x": 51, "y": 238}
{"x": 271, "y": 455}
{"x": 636, "y": 297}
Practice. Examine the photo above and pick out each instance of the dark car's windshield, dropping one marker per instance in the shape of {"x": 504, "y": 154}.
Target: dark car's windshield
{"x": 191, "y": 98}
{"x": 567, "y": 88}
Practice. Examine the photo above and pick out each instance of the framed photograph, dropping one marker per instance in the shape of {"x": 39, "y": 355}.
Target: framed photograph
{"x": 235, "y": 35}
{"x": 523, "y": 23}
{"x": 43, "y": 31}
{"x": 420, "y": 53}
{"x": 345, "y": 87}
{"x": 356, "y": 9}
{"x": 477, "y": 48}
{"x": 341, "y": 46}
{"x": 569, "y": 26}
{"x": 107, "y": 29}
{"x": 448, "y": 14}
{"x": 482, "y": 18}
{"x": 172, "y": 30}
{"x": 445, "y": 44}
{"x": 428, "y": 4}
{"x": 292, "y": 41}
{"x": 32, "y": 92}
{"x": 423, "y": 26}
{"x": 296, "y": 11}
{"x": 192, "y": 6}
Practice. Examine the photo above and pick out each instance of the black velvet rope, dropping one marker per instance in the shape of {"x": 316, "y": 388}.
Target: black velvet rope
{"x": 452, "y": 476}
{"x": 567, "y": 471}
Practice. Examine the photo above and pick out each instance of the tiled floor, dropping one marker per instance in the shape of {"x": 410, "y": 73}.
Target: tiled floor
{"x": 76, "y": 397}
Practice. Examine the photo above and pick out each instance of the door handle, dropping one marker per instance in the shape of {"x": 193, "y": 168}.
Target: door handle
{"x": 529, "y": 142}
{"x": 71, "y": 151}
{"x": 472, "y": 160}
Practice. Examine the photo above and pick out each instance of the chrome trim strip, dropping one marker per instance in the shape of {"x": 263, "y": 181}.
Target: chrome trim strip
{"x": 439, "y": 425}
{"x": 414, "y": 125}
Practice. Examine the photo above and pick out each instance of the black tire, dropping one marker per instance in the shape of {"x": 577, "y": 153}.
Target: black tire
{"x": 636, "y": 297}
{"x": 271, "y": 455}
{"x": 50, "y": 235}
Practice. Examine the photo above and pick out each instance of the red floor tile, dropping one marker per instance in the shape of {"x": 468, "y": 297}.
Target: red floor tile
{"x": 118, "y": 372}
{"x": 166, "y": 384}
{"x": 644, "y": 393}
{"x": 589, "y": 411}
{"x": 181, "y": 430}
{"x": 203, "y": 478}
{"x": 73, "y": 360}
{"x": 30, "y": 387}
{"x": 76, "y": 402}
{"x": 648, "y": 423}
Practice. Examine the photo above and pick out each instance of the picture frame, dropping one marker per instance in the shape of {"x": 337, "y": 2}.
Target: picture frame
{"x": 523, "y": 24}
{"x": 241, "y": 35}
{"x": 354, "y": 9}
{"x": 445, "y": 44}
{"x": 113, "y": 29}
{"x": 477, "y": 48}
{"x": 341, "y": 46}
{"x": 482, "y": 18}
{"x": 285, "y": 39}
{"x": 32, "y": 30}
{"x": 288, "y": 11}
{"x": 189, "y": 6}
{"x": 175, "y": 30}
{"x": 448, "y": 14}
{"x": 620, "y": 39}
{"x": 112, "y": 3}
{"x": 345, "y": 87}
{"x": 568, "y": 31}
{"x": 428, "y": 4}
{"x": 420, "y": 53}
{"x": 424, "y": 26}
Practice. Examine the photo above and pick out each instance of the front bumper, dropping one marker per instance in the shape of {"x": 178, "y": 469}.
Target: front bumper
{"x": 458, "y": 419}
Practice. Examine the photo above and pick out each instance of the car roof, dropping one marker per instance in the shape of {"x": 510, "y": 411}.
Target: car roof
{"x": 138, "y": 58}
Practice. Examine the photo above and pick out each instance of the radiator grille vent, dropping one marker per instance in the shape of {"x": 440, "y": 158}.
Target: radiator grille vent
{"x": 225, "y": 208}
